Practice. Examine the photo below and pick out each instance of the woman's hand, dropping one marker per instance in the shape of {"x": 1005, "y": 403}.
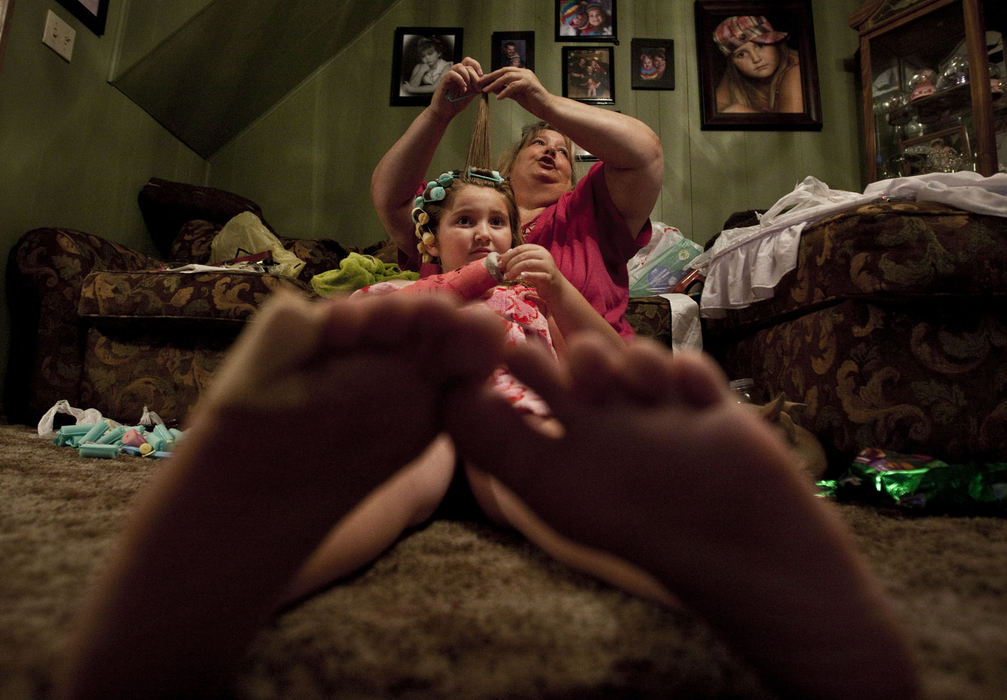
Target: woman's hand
{"x": 456, "y": 89}
{"x": 535, "y": 265}
{"x": 518, "y": 84}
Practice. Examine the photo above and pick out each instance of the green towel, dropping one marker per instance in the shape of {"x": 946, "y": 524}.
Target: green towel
{"x": 356, "y": 271}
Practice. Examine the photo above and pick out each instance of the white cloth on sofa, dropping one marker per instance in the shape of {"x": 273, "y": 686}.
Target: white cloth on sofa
{"x": 745, "y": 264}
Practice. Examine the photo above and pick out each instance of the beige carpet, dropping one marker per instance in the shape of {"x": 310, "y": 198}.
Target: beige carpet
{"x": 460, "y": 609}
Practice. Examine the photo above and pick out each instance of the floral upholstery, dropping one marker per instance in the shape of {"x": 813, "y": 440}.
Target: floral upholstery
{"x": 892, "y": 329}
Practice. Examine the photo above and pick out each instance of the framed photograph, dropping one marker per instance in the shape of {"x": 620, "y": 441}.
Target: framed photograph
{"x": 6, "y": 6}
{"x": 513, "y": 49}
{"x": 420, "y": 57}
{"x": 91, "y": 12}
{"x": 586, "y": 20}
{"x": 757, "y": 65}
{"x": 653, "y": 64}
{"x": 587, "y": 74}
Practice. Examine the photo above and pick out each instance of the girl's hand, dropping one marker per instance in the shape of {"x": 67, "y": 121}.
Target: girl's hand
{"x": 535, "y": 265}
{"x": 518, "y": 84}
{"x": 456, "y": 89}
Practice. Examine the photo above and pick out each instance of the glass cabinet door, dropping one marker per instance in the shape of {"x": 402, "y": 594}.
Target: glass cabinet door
{"x": 933, "y": 88}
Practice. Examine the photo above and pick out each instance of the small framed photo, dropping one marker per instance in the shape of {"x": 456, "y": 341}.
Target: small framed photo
{"x": 757, "y": 65}
{"x": 587, "y": 74}
{"x": 586, "y": 20}
{"x": 653, "y": 64}
{"x": 420, "y": 58}
{"x": 91, "y": 13}
{"x": 513, "y": 49}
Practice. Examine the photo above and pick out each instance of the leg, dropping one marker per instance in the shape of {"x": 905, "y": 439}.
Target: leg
{"x": 216, "y": 536}
{"x": 504, "y": 507}
{"x": 659, "y": 464}
{"x": 406, "y": 500}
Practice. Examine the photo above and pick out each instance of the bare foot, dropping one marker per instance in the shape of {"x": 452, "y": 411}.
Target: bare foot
{"x": 316, "y": 405}
{"x": 659, "y": 464}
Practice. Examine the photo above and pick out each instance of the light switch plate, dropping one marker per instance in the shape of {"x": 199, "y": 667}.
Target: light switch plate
{"x": 59, "y": 36}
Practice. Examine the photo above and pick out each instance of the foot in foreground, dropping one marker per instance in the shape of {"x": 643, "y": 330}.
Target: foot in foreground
{"x": 660, "y": 464}
{"x": 296, "y": 429}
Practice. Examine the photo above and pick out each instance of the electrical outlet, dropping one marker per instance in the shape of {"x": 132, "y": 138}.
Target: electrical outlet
{"x": 59, "y": 36}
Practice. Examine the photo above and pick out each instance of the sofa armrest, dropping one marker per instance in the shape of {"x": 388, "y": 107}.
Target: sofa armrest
{"x": 45, "y": 271}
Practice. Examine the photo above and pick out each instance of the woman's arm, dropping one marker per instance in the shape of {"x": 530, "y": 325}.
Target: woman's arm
{"x": 634, "y": 159}
{"x": 571, "y": 312}
{"x": 405, "y": 165}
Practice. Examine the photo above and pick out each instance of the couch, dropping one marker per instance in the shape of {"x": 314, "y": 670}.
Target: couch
{"x": 106, "y": 327}
{"x": 892, "y": 330}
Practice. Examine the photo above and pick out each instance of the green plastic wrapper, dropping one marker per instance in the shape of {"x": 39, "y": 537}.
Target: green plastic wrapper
{"x": 921, "y": 482}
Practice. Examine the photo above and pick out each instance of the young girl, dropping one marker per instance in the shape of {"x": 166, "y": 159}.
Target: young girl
{"x": 763, "y": 74}
{"x": 468, "y": 220}
{"x": 429, "y": 70}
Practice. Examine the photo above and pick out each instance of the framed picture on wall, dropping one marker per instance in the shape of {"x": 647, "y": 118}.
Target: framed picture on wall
{"x": 586, "y": 20}
{"x": 6, "y": 6}
{"x": 513, "y": 49}
{"x": 653, "y": 64}
{"x": 91, "y": 13}
{"x": 757, "y": 65}
{"x": 420, "y": 57}
{"x": 587, "y": 74}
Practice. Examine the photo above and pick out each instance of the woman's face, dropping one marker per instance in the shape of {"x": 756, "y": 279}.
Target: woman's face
{"x": 757, "y": 61}
{"x": 545, "y": 160}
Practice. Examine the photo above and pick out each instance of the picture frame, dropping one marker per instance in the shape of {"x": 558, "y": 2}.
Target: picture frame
{"x": 420, "y": 57}
{"x": 652, "y": 64}
{"x": 586, "y": 20}
{"x": 731, "y": 98}
{"x": 6, "y": 9}
{"x": 506, "y": 45}
{"x": 588, "y": 75}
{"x": 91, "y": 13}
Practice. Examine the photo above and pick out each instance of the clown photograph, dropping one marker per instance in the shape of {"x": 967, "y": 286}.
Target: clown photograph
{"x": 757, "y": 65}
{"x": 586, "y": 20}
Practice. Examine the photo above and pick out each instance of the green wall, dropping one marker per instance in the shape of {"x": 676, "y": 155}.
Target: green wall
{"x": 74, "y": 152}
{"x": 308, "y": 161}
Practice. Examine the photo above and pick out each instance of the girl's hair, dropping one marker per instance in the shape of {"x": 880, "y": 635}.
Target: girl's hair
{"x": 742, "y": 88}
{"x": 528, "y": 134}
{"x": 438, "y": 194}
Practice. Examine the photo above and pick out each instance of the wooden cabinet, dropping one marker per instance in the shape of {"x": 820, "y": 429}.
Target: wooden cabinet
{"x": 933, "y": 78}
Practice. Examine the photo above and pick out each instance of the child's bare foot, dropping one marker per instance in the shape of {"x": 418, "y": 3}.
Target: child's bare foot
{"x": 316, "y": 405}
{"x": 659, "y": 464}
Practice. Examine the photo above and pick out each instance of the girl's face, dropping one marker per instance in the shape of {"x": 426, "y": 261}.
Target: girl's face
{"x": 756, "y": 60}
{"x": 595, "y": 17}
{"x": 474, "y": 224}
{"x": 545, "y": 160}
{"x": 646, "y": 62}
{"x": 430, "y": 56}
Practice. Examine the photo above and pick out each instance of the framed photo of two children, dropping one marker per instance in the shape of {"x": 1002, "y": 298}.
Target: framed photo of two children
{"x": 757, "y": 65}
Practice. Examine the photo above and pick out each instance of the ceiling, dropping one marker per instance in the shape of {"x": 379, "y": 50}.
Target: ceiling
{"x": 233, "y": 60}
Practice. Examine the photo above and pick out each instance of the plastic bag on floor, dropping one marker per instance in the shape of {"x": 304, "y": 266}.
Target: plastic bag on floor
{"x": 79, "y": 416}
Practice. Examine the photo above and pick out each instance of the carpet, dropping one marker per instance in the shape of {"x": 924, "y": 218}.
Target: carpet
{"x": 461, "y": 609}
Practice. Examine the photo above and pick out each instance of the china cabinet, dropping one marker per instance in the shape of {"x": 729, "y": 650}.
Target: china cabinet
{"x": 933, "y": 77}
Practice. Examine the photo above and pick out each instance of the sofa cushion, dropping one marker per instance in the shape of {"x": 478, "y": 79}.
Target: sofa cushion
{"x": 887, "y": 250}
{"x": 227, "y": 296}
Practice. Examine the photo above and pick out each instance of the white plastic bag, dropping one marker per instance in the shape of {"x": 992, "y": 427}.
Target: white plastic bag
{"x": 245, "y": 234}
{"x": 87, "y": 416}
{"x": 662, "y": 263}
